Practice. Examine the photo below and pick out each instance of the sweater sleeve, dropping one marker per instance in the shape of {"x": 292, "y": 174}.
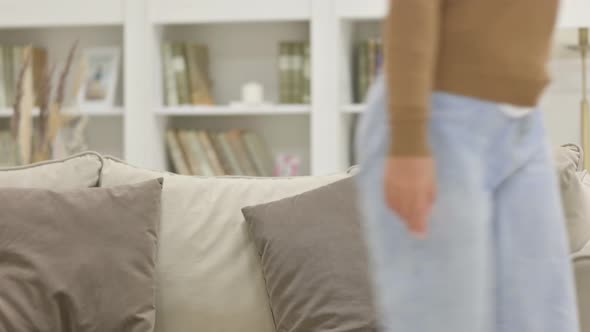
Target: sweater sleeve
{"x": 411, "y": 49}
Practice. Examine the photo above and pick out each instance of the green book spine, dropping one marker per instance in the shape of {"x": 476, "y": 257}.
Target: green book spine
{"x": 181, "y": 73}
{"x": 169, "y": 75}
{"x": 283, "y": 73}
{"x": 3, "y": 102}
{"x": 259, "y": 154}
{"x": 9, "y": 75}
{"x": 298, "y": 89}
{"x": 364, "y": 70}
{"x": 211, "y": 153}
{"x": 306, "y": 74}
{"x": 372, "y": 60}
{"x": 190, "y": 158}
{"x": 292, "y": 73}
{"x": 220, "y": 152}
{"x": 246, "y": 164}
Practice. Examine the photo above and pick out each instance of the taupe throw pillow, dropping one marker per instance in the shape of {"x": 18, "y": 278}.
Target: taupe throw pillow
{"x": 80, "y": 260}
{"x": 314, "y": 260}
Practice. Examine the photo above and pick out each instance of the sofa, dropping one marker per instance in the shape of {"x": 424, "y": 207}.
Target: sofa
{"x": 208, "y": 273}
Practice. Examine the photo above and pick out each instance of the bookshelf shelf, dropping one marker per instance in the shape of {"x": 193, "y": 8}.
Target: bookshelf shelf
{"x": 361, "y": 10}
{"x": 274, "y": 110}
{"x": 206, "y": 11}
{"x": 91, "y": 112}
{"x": 354, "y": 108}
{"x": 54, "y": 13}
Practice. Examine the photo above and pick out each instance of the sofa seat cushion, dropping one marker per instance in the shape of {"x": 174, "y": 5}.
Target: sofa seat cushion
{"x": 209, "y": 274}
{"x": 79, "y": 171}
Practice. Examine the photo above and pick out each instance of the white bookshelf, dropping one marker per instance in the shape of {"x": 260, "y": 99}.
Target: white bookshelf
{"x": 242, "y": 37}
{"x": 271, "y": 110}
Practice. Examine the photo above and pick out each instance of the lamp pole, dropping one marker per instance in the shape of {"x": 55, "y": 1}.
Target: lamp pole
{"x": 583, "y": 36}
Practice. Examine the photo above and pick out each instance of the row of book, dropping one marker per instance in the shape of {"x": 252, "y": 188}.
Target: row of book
{"x": 12, "y": 59}
{"x": 186, "y": 74}
{"x": 208, "y": 153}
{"x": 367, "y": 60}
{"x": 294, "y": 72}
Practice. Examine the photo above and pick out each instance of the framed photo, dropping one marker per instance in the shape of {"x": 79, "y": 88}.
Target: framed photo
{"x": 101, "y": 70}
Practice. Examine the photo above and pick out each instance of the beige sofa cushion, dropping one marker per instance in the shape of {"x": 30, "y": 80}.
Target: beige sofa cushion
{"x": 79, "y": 171}
{"x": 79, "y": 260}
{"x": 208, "y": 268}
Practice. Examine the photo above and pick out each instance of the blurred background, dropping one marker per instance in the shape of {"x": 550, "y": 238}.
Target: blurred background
{"x": 214, "y": 87}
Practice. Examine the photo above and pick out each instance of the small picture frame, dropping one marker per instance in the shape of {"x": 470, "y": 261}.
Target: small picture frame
{"x": 100, "y": 66}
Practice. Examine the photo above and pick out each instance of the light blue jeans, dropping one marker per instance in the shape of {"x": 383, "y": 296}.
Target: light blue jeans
{"x": 496, "y": 255}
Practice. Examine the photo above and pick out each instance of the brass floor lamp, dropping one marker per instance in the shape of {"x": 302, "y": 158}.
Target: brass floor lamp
{"x": 584, "y": 47}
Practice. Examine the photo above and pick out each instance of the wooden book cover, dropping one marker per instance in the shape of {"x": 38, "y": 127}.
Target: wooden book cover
{"x": 176, "y": 154}
{"x": 230, "y": 155}
{"x": 283, "y": 73}
{"x": 184, "y": 139}
{"x": 169, "y": 75}
{"x": 181, "y": 73}
{"x": 220, "y": 152}
{"x": 205, "y": 164}
{"x": 199, "y": 82}
{"x": 237, "y": 144}
{"x": 259, "y": 153}
{"x": 211, "y": 153}
{"x": 39, "y": 69}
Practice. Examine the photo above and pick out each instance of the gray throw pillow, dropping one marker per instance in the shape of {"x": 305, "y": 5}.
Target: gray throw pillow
{"x": 79, "y": 260}
{"x": 314, "y": 260}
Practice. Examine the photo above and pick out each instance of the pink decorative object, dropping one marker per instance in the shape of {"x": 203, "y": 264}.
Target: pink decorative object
{"x": 287, "y": 165}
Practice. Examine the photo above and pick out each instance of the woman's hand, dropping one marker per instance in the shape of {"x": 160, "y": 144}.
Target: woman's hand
{"x": 410, "y": 190}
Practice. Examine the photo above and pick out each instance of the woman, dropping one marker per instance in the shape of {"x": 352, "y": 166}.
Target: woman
{"x": 464, "y": 221}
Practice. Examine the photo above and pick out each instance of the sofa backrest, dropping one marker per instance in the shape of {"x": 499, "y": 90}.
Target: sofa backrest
{"x": 209, "y": 274}
{"x": 79, "y": 171}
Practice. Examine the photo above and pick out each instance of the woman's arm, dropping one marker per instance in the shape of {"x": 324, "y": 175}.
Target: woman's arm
{"x": 411, "y": 48}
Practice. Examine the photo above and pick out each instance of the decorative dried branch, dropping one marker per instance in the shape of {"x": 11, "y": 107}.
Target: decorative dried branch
{"x": 44, "y": 98}
{"x": 14, "y": 123}
{"x": 26, "y": 104}
{"x": 59, "y": 99}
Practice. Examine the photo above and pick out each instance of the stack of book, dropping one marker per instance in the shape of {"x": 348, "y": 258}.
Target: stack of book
{"x": 12, "y": 59}
{"x": 367, "y": 60}
{"x": 186, "y": 74}
{"x": 294, "y": 73}
{"x": 206, "y": 153}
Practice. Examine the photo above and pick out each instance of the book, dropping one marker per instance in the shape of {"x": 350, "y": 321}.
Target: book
{"x": 39, "y": 63}
{"x": 181, "y": 73}
{"x": 200, "y": 155}
{"x": 306, "y": 74}
{"x": 234, "y": 138}
{"x": 297, "y": 62}
{"x": 372, "y": 63}
{"x": 284, "y": 63}
{"x": 184, "y": 140}
{"x": 198, "y": 78}
{"x": 211, "y": 153}
{"x": 176, "y": 154}
{"x": 9, "y": 80}
{"x": 3, "y": 102}
{"x": 169, "y": 75}
{"x": 364, "y": 74}
{"x": 259, "y": 153}
{"x": 220, "y": 152}
{"x": 227, "y": 151}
